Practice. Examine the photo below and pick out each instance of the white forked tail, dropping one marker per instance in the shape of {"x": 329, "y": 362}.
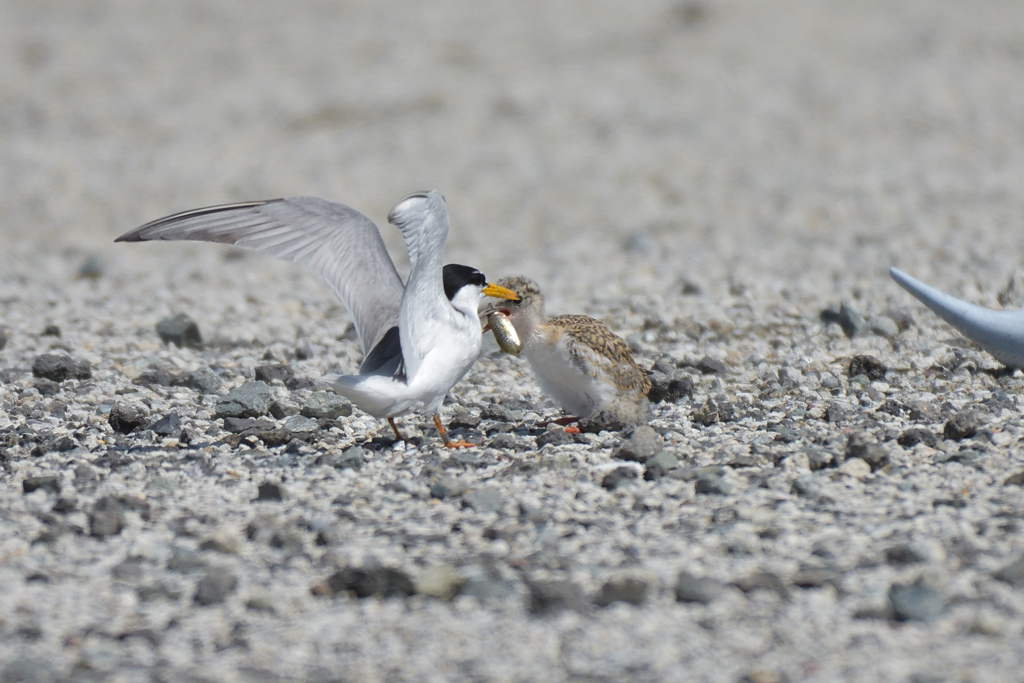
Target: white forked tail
{"x": 1001, "y": 333}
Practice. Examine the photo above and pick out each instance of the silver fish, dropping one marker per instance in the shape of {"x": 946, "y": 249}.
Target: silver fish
{"x": 504, "y": 333}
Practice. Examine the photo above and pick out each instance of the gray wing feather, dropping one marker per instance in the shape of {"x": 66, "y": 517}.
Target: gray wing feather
{"x": 335, "y": 241}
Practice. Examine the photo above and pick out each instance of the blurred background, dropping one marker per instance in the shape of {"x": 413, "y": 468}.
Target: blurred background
{"x": 790, "y": 149}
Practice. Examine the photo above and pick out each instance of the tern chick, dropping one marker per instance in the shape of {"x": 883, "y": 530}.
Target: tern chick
{"x": 577, "y": 360}
{"x": 418, "y": 339}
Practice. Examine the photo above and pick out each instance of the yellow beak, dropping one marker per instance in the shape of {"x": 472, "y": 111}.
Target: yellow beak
{"x": 500, "y": 292}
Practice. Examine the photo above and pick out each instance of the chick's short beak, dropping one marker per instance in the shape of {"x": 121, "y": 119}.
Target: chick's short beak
{"x": 500, "y": 292}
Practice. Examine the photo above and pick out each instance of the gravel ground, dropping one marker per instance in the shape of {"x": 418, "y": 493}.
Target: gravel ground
{"x": 713, "y": 179}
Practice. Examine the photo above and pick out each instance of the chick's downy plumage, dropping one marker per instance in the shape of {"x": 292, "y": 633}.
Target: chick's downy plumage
{"x": 577, "y": 360}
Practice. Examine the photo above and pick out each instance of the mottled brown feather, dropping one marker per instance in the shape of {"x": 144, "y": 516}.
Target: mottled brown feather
{"x": 593, "y": 349}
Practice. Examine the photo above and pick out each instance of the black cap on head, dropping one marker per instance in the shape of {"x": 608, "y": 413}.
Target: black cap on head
{"x": 457, "y": 276}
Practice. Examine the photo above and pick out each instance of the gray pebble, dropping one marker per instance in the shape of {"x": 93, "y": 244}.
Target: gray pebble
{"x": 918, "y": 601}
{"x": 270, "y": 490}
{"x": 49, "y": 483}
{"x": 300, "y": 423}
{"x": 553, "y": 596}
{"x": 483, "y": 499}
{"x": 862, "y": 445}
{"x": 641, "y": 446}
{"x": 916, "y": 435}
{"x": 203, "y": 380}
{"x": 169, "y": 425}
{"x": 670, "y": 386}
{"x": 631, "y": 589}
{"x": 850, "y": 320}
{"x": 712, "y": 480}
{"x": 964, "y": 424}
{"x": 180, "y": 330}
{"x": 127, "y": 416}
{"x": 323, "y": 404}
{"x": 215, "y": 586}
{"x": 269, "y": 373}
{"x": 58, "y": 368}
{"x": 868, "y": 366}
{"x": 440, "y": 581}
{"x": 1012, "y": 573}
{"x": 351, "y": 457}
{"x": 107, "y": 517}
{"x": 884, "y": 326}
{"x": 660, "y": 465}
{"x": 92, "y": 268}
{"x": 365, "y": 582}
{"x": 184, "y": 560}
{"x": 618, "y": 477}
{"x": 554, "y": 436}
{"x": 690, "y": 588}
{"x": 252, "y": 399}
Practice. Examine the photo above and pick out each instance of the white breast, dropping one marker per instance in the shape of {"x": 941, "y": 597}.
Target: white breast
{"x": 577, "y": 393}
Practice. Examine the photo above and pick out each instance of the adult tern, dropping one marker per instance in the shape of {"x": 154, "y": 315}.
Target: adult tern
{"x": 418, "y": 339}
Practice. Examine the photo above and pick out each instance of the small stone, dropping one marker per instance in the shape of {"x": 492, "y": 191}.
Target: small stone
{"x": 215, "y": 586}
{"x": 180, "y": 330}
{"x": 185, "y": 560}
{"x": 447, "y": 487}
{"x": 51, "y": 330}
{"x": 325, "y": 405}
{"x": 554, "y": 436}
{"x": 711, "y": 366}
{"x": 92, "y": 268}
{"x": 670, "y": 387}
{"x": 352, "y": 457}
{"x": 660, "y": 465}
{"x": 869, "y": 366}
{"x": 300, "y": 423}
{"x": 763, "y": 581}
{"x": 126, "y": 417}
{"x": 107, "y": 517}
{"x": 610, "y": 419}
{"x": 58, "y": 368}
{"x": 252, "y": 399}
{"x": 440, "y": 581}
{"x": 483, "y": 499}
{"x": 203, "y": 380}
{"x": 169, "y": 425}
{"x": 916, "y": 435}
{"x": 160, "y": 484}
{"x": 269, "y": 373}
{"x": 884, "y": 326}
{"x": 499, "y": 413}
{"x": 618, "y": 477}
{"x": 835, "y": 413}
{"x": 862, "y": 445}
{"x": 551, "y": 597}
{"x": 962, "y": 425}
{"x": 48, "y": 483}
{"x": 4, "y": 337}
{"x": 25, "y": 670}
{"x": 222, "y": 541}
{"x": 1012, "y": 573}
{"x": 807, "y": 487}
{"x": 690, "y": 588}
{"x": 644, "y": 444}
{"x": 850, "y": 320}
{"x": 712, "y": 480}
{"x": 239, "y": 425}
{"x": 269, "y": 490}
{"x": 631, "y": 589}
{"x": 714, "y": 411}
{"x": 1015, "y": 479}
{"x": 918, "y": 601}
{"x": 855, "y": 468}
{"x": 365, "y": 582}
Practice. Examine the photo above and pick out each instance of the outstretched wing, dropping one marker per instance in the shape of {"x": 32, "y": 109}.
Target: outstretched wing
{"x": 335, "y": 241}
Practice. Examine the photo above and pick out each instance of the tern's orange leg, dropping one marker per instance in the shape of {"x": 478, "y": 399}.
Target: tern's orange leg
{"x": 444, "y": 435}
{"x": 394, "y": 428}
